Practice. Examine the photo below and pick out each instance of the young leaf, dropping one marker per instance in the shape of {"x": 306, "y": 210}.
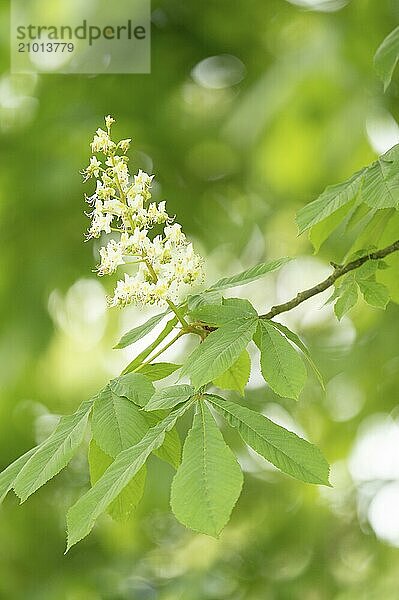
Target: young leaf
{"x": 219, "y": 351}
{"x": 381, "y": 181}
{"x": 134, "y": 386}
{"x": 83, "y": 514}
{"x": 250, "y": 274}
{"x": 284, "y": 449}
{"x": 375, "y": 294}
{"x": 209, "y": 480}
{"x": 331, "y": 200}
{"x": 157, "y": 371}
{"x": 281, "y": 366}
{"x": 136, "y": 362}
{"x": 170, "y": 397}
{"x": 346, "y": 300}
{"x": 295, "y": 339}
{"x": 116, "y": 423}
{"x": 139, "y": 332}
{"x": 386, "y": 57}
{"x": 9, "y": 475}
{"x": 170, "y": 451}
{"x": 236, "y": 377}
{"x": 196, "y": 300}
{"x": 124, "y": 505}
{"x": 54, "y": 453}
{"x": 321, "y": 231}
{"x": 220, "y": 314}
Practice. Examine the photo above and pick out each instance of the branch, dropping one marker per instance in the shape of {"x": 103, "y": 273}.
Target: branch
{"x": 339, "y": 271}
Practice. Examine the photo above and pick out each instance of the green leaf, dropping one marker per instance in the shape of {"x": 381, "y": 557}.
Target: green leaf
{"x": 116, "y": 423}
{"x": 376, "y": 294}
{"x": 170, "y": 451}
{"x": 331, "y": 200}
{"x": 54, "y": 453}
{"x": 209, "y": 479}
{"x": 381, "y": 181}
{"x": 249, "y": 274}
{"x": 281, "y": 366}
{"x": 295, "y": 339}
{"x": 284, "y": 449}
{"x": 236, "y": 377}
{"x": 220, "y": 314}
{"x": 139, "y": 332}
{"x": 386, "y": 57}
{"x": 124, "y": 505}
{"x": 196, "y": 300}
{"x": 82, "y": 515}
{"x": 321, "y": 231}
{"x": 346, "y": 301}
{"x": 136, "y": 362}
{"x": 136, "y": 387}
{"x": 169, "y": 397}
{"x": 219, "y": 351}
{"x": 159, "y": 370}
{"x": 9, "y": 475}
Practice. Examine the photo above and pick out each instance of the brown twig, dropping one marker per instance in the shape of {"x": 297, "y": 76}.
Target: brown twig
{"x": 339, "y": 271}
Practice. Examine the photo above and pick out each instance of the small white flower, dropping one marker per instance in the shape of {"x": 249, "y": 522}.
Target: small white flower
{"x": 108, "y": 121}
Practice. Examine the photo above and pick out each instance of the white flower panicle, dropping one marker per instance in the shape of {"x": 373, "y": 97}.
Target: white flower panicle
{"x": 165, "y": 262}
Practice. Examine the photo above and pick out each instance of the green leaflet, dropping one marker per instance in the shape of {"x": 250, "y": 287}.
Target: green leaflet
{"x": 236, "y": 377}
{"x": 376, "y": 294}
{"x": 136, "y": 387}
{"x": 9, "y": 475}
{"x": 206, "y": 297}
{"x": 138, "y": 332}
{"x": 347, "y": 299}
{"x": 124, "y": 505}
{"x": 281, "y": 366}
{"x": 381, "y": 182}
{"x": 386, "y": 57}
{"x": 169, "y": 397}
{"x": 209, "y": 479}
{"x": 221, "y": 314}
{"x": 249, "y": 274}
{"x": 54, "y": 453}
{"x": 82, "y": 515}
{"x": 285, "y": 450}
{"x": 219, "y": 351}
{"x": 295, "y": 339}
{"x": 170, "y": 451}
{"x": 116, "y": 423}
{"x": 136, "y": 362}
{"x": 321, "y": 231}
{"x": 331, "y": 200}
{"x": 159, "y": 370}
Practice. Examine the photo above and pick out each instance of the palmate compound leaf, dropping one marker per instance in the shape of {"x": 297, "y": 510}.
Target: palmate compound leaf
{"x": 82, "y": 515}
{"x": 169, "y": 397}
{"x": 219, "y": 351}
{"x": 249, "y": 275}
{"x": 209, "y": 479}
{"x": 124, "y": 505}
{"x": 281, "y": 366}
{"x": 236, "y": 377}
{"x": 387, "y": 56}
{"x": 284, "y": 449}
{"x": 54, "y": 453}
{"x": 116, "y": 423}
{"x": 138, "y": 332}
{"x": 347, "y": 298}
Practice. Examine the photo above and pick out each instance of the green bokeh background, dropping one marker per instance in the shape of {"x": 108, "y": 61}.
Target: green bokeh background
{"x": 238, "y": 144}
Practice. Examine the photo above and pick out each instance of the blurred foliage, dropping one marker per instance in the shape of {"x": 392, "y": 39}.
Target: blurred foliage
{"x": 289, "y": 104}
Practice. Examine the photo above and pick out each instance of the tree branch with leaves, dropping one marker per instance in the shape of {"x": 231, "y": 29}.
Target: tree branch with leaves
{"x": 134, "y": 416}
